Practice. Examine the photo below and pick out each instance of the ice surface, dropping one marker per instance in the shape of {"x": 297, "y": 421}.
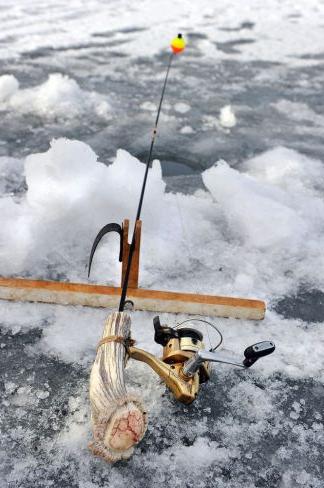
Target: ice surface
{"x": 277, "y": 31}
{"x": 255, "y": 229}
{"x": 237, "y": 417}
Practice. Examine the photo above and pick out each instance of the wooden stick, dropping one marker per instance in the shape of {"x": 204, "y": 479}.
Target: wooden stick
{"x": 19, "y": 289}
{"x": 133, "y": 277}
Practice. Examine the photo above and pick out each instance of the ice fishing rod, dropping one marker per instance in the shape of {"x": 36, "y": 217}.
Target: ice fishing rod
{"x": 119, "y": 419}
{"x": 177, "y": 46}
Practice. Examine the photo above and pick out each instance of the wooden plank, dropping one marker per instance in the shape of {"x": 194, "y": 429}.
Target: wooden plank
{"x": 19, "y": 289}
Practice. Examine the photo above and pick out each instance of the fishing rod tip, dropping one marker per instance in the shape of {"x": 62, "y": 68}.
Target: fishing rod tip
{"x": 178, "y": 44}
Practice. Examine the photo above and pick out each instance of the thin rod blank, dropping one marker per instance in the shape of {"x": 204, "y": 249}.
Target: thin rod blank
{"x": 140, "y": 204}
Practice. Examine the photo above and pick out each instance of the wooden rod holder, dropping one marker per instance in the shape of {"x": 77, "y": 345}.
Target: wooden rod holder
{"x": 134, "y": 271}
{"x": 25, "y": 290}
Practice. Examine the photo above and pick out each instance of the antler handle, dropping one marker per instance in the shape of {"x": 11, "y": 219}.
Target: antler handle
{"x": 119, "y": 419}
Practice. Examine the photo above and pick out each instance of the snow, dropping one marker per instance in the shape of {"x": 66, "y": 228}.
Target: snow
{"x": 227, "y": 117}
{"x": 59, "y": 96}
{"x": 182, "y": 107}
{"x": 41, "y": 394}
{"x": 272, "y": 207}
{"x": 76, "y": 342}
{"x": 70, "y": 195}
{"x": 255, "y": 229}
{"x": 8, "y": 87}
{"x": 191, "y": 439}
{"x": 148, "y": 106}
{"x": 251, "y": 209}
{"x": 11, "y": 176}
{"x": 187, "y": 130}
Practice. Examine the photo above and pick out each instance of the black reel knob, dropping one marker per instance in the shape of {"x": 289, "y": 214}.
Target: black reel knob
{"x": 257, "y": 351}
{"x": 163, "y": 333}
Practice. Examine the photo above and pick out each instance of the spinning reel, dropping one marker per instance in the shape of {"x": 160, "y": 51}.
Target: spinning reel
{"x": 185, "y": 362}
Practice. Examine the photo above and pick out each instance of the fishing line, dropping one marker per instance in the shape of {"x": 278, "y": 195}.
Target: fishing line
{"x": 207, "y": 323}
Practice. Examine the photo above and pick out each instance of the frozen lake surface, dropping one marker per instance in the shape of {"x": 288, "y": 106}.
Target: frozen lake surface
{"x": 247, "y": 95}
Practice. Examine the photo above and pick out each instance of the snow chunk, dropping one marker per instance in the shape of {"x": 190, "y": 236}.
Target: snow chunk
{"x": 11, "y": 176}
{"x": 252, "y": 208}
{"x": 182, "y": 108}
{"x": 42, "y": 394}
{"x": 203, "y": 453}
{"x": 148, "y": 106}
{"x": 60, "y": 176}
{"x": 299, "y": 111}
{"x": 287, "y": 169}
{"x": 59, "y": 96}
{"x": 187, "y": 130}
{"x": 8, "y": 87}
{"x": 273, "y": 204}
{"x": 70, "y": 197}
{"x": 10, "y": 387}
{"x": 227, "y": 117}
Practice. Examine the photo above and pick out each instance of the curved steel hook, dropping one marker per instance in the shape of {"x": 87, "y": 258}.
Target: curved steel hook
{"x": 113, "y": 227}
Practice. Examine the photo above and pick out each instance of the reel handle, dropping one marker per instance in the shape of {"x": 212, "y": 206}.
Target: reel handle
{"x": 251, "y": 353}
{"x": 257, "y": 351}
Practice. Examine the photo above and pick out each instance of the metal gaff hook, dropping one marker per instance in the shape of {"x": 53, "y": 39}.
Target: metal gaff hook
{"x": 112, "y": 227}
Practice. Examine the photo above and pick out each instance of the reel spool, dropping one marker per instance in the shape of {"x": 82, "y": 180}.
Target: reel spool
{"x": 180, "y": 344}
